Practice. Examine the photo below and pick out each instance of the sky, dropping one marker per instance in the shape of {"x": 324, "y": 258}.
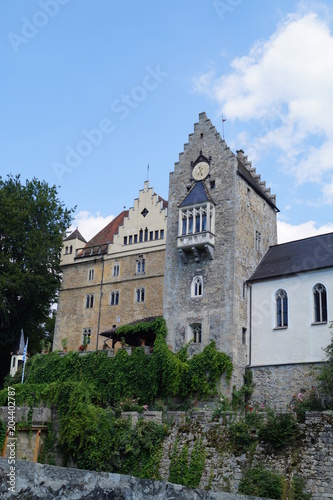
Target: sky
{"x": 92, "y": 92}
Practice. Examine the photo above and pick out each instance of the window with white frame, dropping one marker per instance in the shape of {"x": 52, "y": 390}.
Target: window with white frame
{"x": 197, "y": 219}
{"x": 281, "y": 302}
{"x": 196, "y": 332}
{"x": 140, "y": 295}
{"x": 319, "y": 303}
{"x": 114, "y": 298}
{"x": 115, "y": 272}
{"x": 89, "y": 301}
{"x": 91, "y": 274}
{"x": 197, "y": 286}
{"x": 86, "y": 337}
{"x": 140, "y": 266}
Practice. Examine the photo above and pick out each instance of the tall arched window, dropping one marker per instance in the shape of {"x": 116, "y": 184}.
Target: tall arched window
{"x": 196, "y": 332}
{"x": 281, "y": 300}
{"x": 319, "y": 304}
{"x": 197, "y": 286}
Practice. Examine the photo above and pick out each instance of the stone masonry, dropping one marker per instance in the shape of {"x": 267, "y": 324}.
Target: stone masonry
{"x": 245, "y": 226}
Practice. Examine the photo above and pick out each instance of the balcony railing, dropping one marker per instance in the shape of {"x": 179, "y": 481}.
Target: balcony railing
{"x": 197, "y": 240}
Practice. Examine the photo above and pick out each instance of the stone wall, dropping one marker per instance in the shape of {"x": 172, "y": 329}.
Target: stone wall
{"x": 311, "y": 459}
{"x": 276, "y": 385}
{"x": 47, "y": 482}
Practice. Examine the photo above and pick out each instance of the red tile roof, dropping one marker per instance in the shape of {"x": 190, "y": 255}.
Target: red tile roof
{"x": 106, "y": 235}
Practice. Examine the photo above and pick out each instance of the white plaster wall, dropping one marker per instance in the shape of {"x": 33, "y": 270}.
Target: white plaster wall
{"x": 301, "y": 341}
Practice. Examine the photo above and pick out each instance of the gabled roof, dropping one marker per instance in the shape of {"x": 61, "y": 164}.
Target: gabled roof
{"x": 75, "y": 235}
{"x": 107, "y": 234}
{"x": 295, "y": 257}
{"x": 197, "y": 194}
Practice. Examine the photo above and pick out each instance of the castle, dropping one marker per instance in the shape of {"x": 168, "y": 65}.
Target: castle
{"x": 208, "y": 260}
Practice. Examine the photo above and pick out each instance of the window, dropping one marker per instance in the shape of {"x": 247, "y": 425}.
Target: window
{"x": 91, "y": 274}
{"x": 320, "y": 303}
{"x": 140, "y": 295}
{"x": 140, "y": 265}
{"x": 196, "y": 332}
{"x": 86, "y": 337}
{"x": 89, "y": 301}
{"x": 135, "y": 238}
{"x": 156, "y": 235}
{"x": 66, "y": 250}
{"x": 151, "y": 235}
{"x": 140, "y": 235}
{"x": 130, "y": 239}
{"x": 125, "y": 240}
{"x": 258, "y": 241}
{"x": 71, "y": 249}
{"x": 197, "y": 287}
{"x": 146, "y": 234}
{"x": 281, "y": 299}
{"x": 162, "y": 234}
{"x": 115, "y": 271}
{"x": 114, "y": 298}
{"x": 244, "y": 335}
{"x": 196, "y": 219}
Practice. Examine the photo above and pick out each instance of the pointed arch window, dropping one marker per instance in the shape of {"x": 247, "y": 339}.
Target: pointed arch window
{"x": 196, "y": 331}
{"x": 319, "y": 303}
{"x": 197, "y": 286}
{"x": 281, "y": 302}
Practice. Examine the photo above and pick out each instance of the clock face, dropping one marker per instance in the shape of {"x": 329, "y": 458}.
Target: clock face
{"x": 200, "y": 171}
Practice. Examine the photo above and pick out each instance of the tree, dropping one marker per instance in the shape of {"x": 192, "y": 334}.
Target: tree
{"x": 326, "y": 374}
{"x": 33, "y": 224}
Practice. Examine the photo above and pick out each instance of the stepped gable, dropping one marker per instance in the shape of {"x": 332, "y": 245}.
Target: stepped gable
{"x": 294, "y": 257}
{"x": 197, "y": 194}
{"x": 106, "y": 235}
{"x": 248, "y": 173}
{"x": 75, "y": 235}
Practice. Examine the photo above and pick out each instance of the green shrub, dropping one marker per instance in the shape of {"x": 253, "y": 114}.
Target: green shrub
{"x": 303, "y": 402}
{"x": 280, "y": 429}
{"x": 187, "y": 470}
{"x": 261, "y": 482}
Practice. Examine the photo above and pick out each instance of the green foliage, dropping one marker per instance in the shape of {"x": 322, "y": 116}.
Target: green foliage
{"x": 184, "y": 469}
{"x": 261, "y": 482}
{"x": 326, "y": 373}
{"x": 303, "y": 402}
{"x": 298, "y": 485}
{"x": 88, "y": 391}
{"x": 239, "y": 397}
{"x": 3, "y": 431}
{"x": 33, "y": 223}
{"x": 161, "y": 375}
{"x": 280, "y": 429}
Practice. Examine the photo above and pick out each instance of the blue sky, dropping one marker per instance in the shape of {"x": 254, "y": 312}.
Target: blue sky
{"x": 91, "y": 92}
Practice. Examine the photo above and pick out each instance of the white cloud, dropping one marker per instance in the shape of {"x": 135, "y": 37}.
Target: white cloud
{"x": 285, "y": 83}
{"x": 90, "y": 224}
{"x": 289, "y": 232}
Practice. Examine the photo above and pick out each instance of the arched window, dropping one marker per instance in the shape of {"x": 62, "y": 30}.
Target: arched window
{"x": 197, "y": 286}
{"x": 319, "y": 304}
{"x": 281, "y": 300}
{"x": 196, "y": 332}
{"x": 66, "y": 250}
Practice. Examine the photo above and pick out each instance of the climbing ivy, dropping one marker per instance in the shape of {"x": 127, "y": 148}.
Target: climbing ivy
{"x": 184, "y": 469}
{"x": 89, "y": 390}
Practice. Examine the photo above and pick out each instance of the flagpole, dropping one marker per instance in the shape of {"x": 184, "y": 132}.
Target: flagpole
{"x": 24, "y": 359}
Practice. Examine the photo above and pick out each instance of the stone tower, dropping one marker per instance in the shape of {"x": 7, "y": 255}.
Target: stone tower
{"x": 221, "y": 221}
